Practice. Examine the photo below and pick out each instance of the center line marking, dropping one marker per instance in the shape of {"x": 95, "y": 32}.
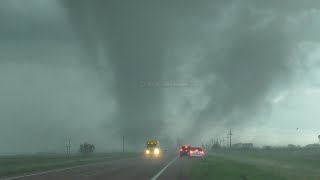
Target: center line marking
{"x": 162, "y": 170}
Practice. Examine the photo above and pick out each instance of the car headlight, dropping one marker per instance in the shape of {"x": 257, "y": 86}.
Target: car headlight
{"x": 156, "y": 151}
{"x": 147, "y": 151}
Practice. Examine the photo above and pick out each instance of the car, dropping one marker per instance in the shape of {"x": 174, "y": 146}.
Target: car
{"x": 196, "y": 152}
{"x": 184, "y": 150}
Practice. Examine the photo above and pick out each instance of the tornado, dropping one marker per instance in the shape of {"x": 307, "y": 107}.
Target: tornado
{"x": 134, "y": 35}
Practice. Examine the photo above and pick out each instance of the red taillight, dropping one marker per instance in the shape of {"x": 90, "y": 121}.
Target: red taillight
{"x": 202, "y": 152}
{"x": 180, "y": 150}
{"x": 191, "y": 152}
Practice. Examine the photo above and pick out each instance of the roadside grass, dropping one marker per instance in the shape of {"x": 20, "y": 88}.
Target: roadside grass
{"x": 295, "y": 157}
{"x": 13, "y": 165}
{"x": 300, "y": 165}
{"x": 258, "y": 165}
{"x": 220, "y": 168}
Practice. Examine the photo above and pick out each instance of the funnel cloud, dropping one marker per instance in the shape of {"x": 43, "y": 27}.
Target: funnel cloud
{"x": 80, "y": 69}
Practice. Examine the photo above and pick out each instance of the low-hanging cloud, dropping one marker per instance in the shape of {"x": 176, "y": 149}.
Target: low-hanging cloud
{"x": 249, "y": 52}
{"x": 242, "y": 54}
{"x": 135, "y": 36}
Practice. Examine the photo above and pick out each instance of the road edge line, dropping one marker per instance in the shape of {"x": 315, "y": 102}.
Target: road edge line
{"x": 45, "y": 172}
{"x": 61, "y": 169}
{"x": 163, "y": 169}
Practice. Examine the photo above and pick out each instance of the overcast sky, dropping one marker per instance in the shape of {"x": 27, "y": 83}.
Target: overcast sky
{"x": 94, "y": 71}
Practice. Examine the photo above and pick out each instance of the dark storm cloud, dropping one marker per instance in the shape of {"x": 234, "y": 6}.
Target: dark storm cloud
{"x": 253, "y": 63}
{"x": 130, "y": 36}
{"x": 285, "y": 6}
{"x": 252, "y": 57}
{"x": 247, "y": 47}
{"x": 245, "y": 50}
{"x": 135, "y": 35}
{"x": 32, "y": 20}
{"x": 47, "y": 94}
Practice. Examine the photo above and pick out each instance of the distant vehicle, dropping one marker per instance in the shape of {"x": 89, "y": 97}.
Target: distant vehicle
{"x": 152, "y": 148}
{"x": 184, "y": 150}
{"x": 196, "y": 152}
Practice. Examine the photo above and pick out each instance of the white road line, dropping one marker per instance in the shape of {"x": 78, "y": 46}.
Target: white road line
{"x": 57, "y": 170}
{"x": 51, "y": 171}
{"x": 46, "y": 172}
{"x": 162, "y": 170}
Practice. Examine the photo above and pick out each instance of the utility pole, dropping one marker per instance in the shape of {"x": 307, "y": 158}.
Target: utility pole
{"x": 223, "y": 141}
{"x": 69, "y": 146}
{"x": 230, "y": 134}
{"x": 227, "y": 140}
{"x": 122, "y": 143}
{"x": 67, "y": 150}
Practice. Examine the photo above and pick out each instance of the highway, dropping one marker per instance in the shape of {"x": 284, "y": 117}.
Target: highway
{"x": 168, "y": 167}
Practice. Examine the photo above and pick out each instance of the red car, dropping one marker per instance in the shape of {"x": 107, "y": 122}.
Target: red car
{"x": 196, "y": 152}
{"x": 184, "y": 150}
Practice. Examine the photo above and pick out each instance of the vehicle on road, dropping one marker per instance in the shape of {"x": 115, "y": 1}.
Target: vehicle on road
{"x": 196, "y": 152}
{"x": 152, "y": 148}
{"x": 184, "y": 150}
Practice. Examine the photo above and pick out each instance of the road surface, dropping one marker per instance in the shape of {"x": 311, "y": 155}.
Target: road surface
{"x": 168, "y": 167}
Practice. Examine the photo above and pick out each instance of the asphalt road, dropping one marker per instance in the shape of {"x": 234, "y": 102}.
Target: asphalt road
{"x": 168, "y": 167}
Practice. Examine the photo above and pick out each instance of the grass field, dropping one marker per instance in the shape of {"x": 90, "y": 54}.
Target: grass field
{"x": 258, "y": 165}
{"x": 11, "y": 165}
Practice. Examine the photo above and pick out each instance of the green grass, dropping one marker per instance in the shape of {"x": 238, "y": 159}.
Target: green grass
{"x": 214, "y": 167}
{"x": 258, "y": 165}
{"x": 13, "y": 165}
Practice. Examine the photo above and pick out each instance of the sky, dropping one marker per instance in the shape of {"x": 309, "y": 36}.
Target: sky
{"x": 95, "y": 71}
